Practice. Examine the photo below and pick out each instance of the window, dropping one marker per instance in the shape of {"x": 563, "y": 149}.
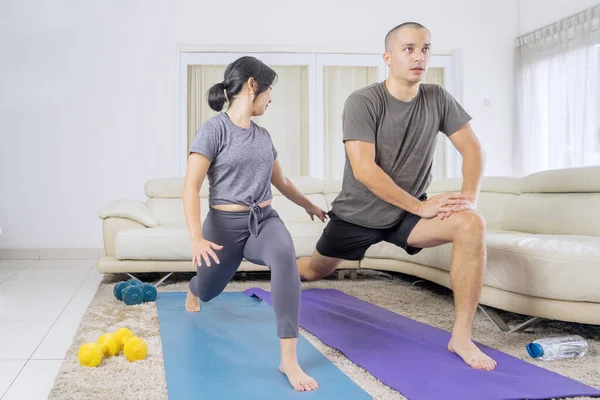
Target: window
{"x": 305, "y": 118}
{"x": 559, "y": 108}
{"x": 288, "y": 119}
{"x": 597, "y": 114}
{"x": 338, "y": 75}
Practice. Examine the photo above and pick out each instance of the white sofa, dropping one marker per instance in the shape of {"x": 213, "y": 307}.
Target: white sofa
{"x": 543, "y": 239}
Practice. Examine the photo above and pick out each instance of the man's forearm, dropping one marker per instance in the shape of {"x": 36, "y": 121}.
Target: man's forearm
{"x": 380, "y": 183}
{"x": 473, "y": 166}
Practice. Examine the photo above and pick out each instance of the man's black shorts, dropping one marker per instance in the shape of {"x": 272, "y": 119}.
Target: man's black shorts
{"x": 348, "y": 241}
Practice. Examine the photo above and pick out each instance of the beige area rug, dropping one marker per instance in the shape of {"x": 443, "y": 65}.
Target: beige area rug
{"x": 117, "y": 378}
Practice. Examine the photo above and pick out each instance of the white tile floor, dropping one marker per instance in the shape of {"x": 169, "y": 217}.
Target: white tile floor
{"x": 41, "y": 305}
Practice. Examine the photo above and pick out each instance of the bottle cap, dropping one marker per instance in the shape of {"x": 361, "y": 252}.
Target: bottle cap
{"x": 535, "y": 350}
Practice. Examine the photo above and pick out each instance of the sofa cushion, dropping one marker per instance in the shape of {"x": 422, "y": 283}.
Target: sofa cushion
{"x": 169, "y": 211}
{"x": 556, "y": 267}
{"x": 172, "y": 242}
{"x": 550, "y": 266}
{"x": 569, "y": 180}
{"x": 332, "y": 186}
{"x": 160, "y": 243}
{"x": 491, "y": 184}
{"x": 555, "y": 213}
{"x": 129, "y": 209}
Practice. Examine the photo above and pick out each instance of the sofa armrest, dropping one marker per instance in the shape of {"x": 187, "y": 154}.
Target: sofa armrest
{"x": 129, "y": 209}
{"x": 110, "y": 227}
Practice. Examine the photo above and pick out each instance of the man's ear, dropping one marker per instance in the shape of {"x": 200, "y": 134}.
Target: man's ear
{"x": 386, "y": 58}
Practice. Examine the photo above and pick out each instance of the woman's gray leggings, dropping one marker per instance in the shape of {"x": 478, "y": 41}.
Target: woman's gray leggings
{"x": 259, "y": 236}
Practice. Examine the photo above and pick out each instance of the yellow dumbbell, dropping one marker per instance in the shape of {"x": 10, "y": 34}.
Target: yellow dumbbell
{"x": 135, "y": 348}
{"x": 90, "y": 355}
{"x": 121, "y": 335}
{"x": 109, "y": 345}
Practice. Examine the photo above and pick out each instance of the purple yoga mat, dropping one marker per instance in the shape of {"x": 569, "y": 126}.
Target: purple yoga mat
{"x": 412, "y": 357}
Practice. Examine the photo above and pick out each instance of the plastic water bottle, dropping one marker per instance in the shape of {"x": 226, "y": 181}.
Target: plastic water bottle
{"x": 559, "y": 347}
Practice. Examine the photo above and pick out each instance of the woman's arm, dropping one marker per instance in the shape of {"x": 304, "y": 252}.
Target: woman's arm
{"x": 289, "y": 190}
{"x": 197, "y": 167}
{"x": 195, "y": 174}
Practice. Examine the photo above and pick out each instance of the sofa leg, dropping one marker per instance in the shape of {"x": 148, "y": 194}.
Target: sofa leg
{"x": 530, "y": 322}
{"x": 495, "y": 318}
{"x": 131, "y": 276}
{"x": 503, "y": 326}
{"x": 353, "y": 274}
{"x": 341, "y": 274}
{"x": 164, "y": 278}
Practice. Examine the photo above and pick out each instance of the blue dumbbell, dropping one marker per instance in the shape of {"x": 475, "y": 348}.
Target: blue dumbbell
{"x": 118, "y": 289}
{"x": 133, "y": 295}
{"x": 150, "y": 292}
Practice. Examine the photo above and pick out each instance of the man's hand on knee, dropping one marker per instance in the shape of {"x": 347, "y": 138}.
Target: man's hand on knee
{"x": 442, "y": 203}
{"x": 470, "y": 204}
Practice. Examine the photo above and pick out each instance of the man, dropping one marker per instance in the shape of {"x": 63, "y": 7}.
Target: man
{"x": 389, "y": 132}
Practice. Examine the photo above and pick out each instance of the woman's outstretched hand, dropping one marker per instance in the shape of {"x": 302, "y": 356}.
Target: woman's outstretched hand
{"x": 315, "y": 211}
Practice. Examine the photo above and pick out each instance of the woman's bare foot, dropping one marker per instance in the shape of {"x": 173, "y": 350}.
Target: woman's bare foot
{"x": 471, "y": 354}
{"x": 192, "y": 304}
{"x": 289, "y": 366}
{"x": 298, "y": 379}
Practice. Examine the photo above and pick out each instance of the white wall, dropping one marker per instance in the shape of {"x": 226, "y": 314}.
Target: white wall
{"x": 88, "y": 103}
{"x": 535, "y": 14}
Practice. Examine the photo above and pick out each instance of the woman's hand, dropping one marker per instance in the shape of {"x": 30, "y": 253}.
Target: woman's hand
{"x": 313, "y": 211}
{"x": 202, "y": 249}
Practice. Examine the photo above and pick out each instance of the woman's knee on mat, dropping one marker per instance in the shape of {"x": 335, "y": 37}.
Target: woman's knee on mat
{"x": 205, "y": 296}
{"x": 204, "y": 292}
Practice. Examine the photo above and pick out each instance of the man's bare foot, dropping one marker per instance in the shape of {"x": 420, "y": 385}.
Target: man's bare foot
{"x": 471, "y": 354}
{"x": 192, "y": 304}
{"x": 298, "y": 379}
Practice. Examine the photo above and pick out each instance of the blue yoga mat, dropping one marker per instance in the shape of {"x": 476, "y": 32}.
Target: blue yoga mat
{"x": 411, "y": 357}
{"x": 230, "y": 350}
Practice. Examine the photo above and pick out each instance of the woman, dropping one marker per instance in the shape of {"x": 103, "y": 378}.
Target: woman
{"x": 241, "y": 163}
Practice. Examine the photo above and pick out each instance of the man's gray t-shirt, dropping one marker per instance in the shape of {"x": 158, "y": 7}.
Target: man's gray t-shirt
{"x": 405, "y": 135}
{"x": 241, "y": 161}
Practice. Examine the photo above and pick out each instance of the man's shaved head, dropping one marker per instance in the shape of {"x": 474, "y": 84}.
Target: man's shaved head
{"x": 407, "y": 52}
{"x": 391, "y": 35}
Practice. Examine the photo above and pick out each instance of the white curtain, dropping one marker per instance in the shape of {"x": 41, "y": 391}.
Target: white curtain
{"x": 338, "y": 83}
{"x": 200, "y": 79}
{"x": 286, "y": 119}
{"x": 558, "y": 96}
{"x": 436, "y": 76}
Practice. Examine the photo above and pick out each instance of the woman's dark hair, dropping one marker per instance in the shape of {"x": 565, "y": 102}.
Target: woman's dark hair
{"x": 236, "y": 76}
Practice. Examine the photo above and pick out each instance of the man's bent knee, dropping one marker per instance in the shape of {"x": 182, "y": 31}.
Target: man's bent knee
{"x": 317, "y": 267}
{"x": 470, "y": 222}
{"x": 469, "y": 226}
